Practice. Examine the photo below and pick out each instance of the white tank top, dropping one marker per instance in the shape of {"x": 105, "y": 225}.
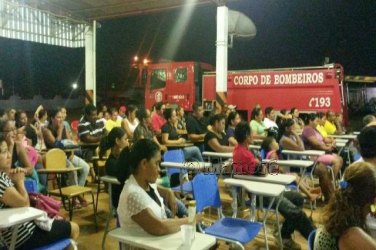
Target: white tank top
{"x": 131, "y": 126}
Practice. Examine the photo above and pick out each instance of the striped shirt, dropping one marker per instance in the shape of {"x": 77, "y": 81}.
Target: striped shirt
{"x": 94, "y": 129}
{"x": 25, "y": 230}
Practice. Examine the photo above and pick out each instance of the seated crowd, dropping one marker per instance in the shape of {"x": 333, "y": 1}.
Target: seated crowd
{"x": 133, "y": 140}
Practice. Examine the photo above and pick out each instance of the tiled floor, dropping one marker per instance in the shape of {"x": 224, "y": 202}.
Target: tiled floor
{"x": 90, "y": 239}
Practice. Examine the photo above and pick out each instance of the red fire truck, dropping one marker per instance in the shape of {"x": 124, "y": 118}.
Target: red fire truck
{"x": 174, "y": 82}
{"x": 306, "y": 88}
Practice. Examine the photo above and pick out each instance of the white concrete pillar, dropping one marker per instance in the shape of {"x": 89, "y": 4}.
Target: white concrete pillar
{"x": 90, "y": 76}
{"x": 222, "y": 44}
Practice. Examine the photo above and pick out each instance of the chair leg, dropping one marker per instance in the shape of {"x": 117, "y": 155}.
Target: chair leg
{"x": 98, "y": 190}
{"x": 95, "y": 212}
{"x": 70, "y": 206}
{"x": 106, "y": 228}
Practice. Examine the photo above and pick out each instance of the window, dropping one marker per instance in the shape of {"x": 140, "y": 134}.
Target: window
{"x": 181, "y": 75}
{"x": 158, "y": 79}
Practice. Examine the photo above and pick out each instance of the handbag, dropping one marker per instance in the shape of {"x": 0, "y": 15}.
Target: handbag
{"x": 45, "y": 203}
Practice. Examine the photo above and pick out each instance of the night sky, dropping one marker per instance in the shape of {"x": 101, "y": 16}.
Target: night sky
{"x": 289, "y": 33}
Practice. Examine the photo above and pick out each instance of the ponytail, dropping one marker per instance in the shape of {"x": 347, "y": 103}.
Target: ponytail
{"x": 109, "y": 141}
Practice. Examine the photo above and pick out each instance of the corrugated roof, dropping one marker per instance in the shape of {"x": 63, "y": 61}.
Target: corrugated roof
{"x": 108, "y": 9}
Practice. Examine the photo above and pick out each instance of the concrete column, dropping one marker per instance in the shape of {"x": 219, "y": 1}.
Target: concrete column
{"x": 222, "y": 42}
{"x": 90, "y": 84}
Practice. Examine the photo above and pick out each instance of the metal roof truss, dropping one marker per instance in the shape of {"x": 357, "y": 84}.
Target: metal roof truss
{"x": 25, "y": 23}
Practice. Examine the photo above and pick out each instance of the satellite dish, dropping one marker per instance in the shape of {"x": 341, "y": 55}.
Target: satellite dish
{"x": 240, "y": 26}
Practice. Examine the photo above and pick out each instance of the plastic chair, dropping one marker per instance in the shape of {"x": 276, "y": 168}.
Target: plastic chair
{"x": 177, "y": 155}
{"x": 31, "y": 186}
{"x": 99, "y": 165}
{"x": 311, "y": 240}
{"x": 110, "y": 180}
{"x": 59, "y": 245}
{"x": 55, "y": 162}
{"x": 237, "y": 231}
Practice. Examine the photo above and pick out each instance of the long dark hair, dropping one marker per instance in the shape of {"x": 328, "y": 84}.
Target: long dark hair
{"x": 309, "y": 117}
{"x": 346, "y": 206}
{"x": 142, "y": 114}
{"x": 109, "y": 141}
{"x": 51, "y": 115}
{"x": 17, "y": 117}
{"x": 231, "y": 116}
{"x": 142, "y": 149}
{"x": 130, "y": 109}
{"x": 282, "y": 128}
{"x": 265, "y": 145}
{"x": 129, "y": 160}
{"x": 255, "y": 112}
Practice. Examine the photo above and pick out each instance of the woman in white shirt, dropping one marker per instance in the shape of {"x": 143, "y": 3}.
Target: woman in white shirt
{"x": 141, "y": 206}
{"x": 130, "y": 122}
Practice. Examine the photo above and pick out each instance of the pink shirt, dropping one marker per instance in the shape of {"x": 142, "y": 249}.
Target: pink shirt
{"x": 308, "y": 132}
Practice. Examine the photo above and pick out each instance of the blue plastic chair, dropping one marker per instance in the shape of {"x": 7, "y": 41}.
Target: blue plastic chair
{"x": 238, "y": 231}
{"x": 31, "y": 185}
{"x": 311, "y": 240}
{"x": 58, "y": 245}
{"x": 177, "y": 155}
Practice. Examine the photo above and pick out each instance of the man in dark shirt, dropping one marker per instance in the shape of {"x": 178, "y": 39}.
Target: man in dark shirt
{"x": 196, "y": 127}
{"x": 90, "y": 128}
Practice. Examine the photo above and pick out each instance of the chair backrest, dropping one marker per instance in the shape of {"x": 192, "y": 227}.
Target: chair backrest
{"x": 59, "y": 244}
{"x": 56, "y": 159}
{"x": 205, "y": 191}
{"x": 31, "y": 185}
{"x": 262, "y": 154}
{"x": 311, "y": 240}
{"x": 175, "y": 155}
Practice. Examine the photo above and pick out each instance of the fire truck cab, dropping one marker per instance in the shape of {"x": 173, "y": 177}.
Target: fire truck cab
{"x": 174, "y": 83}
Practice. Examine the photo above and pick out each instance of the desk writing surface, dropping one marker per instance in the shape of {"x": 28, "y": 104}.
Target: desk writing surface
{"x": 186, "y": 165}
{"x": 292, "y": 163}
{"x": 257, "y": 188}
{"x": 256, "y": 147}
{"x": 282, "y": 179}
{"x": 110, "y": 179}
{"x": 342, "y": 140}
{"x": 180, "y": 145}
{"x": 166, "y": 242}
{"x": 58, "y": 170}
{"x": 348, "y": 136}
{"x": 217, "y": 154}
{"x": 304, "y": 152}
{"x": 340, "y": 144}
{"x": 14, "y": 216}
